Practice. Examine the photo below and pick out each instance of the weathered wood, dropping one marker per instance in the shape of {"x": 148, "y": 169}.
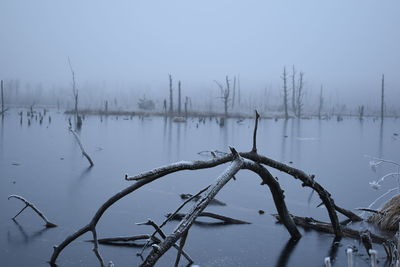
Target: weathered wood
{"x": 163, "y": 236}
{"x": 187, "y": 222}
{"x": 277, "y": 195}
{"x": 33, "y": 207}
{"x": 142, "y": 179}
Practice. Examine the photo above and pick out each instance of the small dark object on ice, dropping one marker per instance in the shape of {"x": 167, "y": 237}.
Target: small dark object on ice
{"x": 261, "y": 212}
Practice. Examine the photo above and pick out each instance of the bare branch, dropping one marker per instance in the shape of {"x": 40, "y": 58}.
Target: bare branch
{"x": 81, "y": 146}
{"x": 187, "y": 222}
{"x": 33, "y": 207}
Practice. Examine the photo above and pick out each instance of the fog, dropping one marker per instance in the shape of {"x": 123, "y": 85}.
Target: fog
{"x": 132, "y": 46}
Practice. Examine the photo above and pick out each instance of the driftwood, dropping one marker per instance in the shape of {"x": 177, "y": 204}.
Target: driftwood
{"x": 33, "y": 207}
{"x": 245, "y": 160}
{"x": 81, "y": 146}
{"x": 187, "y": 222}
{"x": 223, "y": 219}
{"x": 163, "y": 236}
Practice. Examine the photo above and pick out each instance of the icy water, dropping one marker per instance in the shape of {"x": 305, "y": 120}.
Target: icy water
{"x": 43, "y": 163}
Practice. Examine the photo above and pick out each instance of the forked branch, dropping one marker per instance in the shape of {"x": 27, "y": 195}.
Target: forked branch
{"x": 33, "y": 207}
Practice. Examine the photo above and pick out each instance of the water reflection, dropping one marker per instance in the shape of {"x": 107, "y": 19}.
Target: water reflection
{"x": 284, "y": 138}
{"x": 286, "y": 252}
{"x": 380, "y": 150}
{"x": 27, "y": 238}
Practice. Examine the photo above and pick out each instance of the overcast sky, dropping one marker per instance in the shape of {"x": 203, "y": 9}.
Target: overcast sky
{"x": 343, "y": 44}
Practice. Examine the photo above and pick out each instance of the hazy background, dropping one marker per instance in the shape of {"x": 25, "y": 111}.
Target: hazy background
{"x": 125, "y": 46}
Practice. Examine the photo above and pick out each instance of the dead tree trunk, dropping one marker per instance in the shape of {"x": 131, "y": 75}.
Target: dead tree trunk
{"x": 78, "y": 121}
{"x": 294, "y": 90}
{"x": 2, "y": 99}
{"x": 382, "y": 97}
{"x": 299, "y": 100}
{"x": 171, "y": 103}
{"x": 321, "y": 103}
{"x": 186, "y": 107}
{"x": 285, "y": 93}
{"x": 225, "y": 92}
{"x": 238, "y": 85}
{"x": 234, "y": 92}
{"x": 361, "y": 112}
{"x": 226, "y": 97}
{"x": 179, "y": 98}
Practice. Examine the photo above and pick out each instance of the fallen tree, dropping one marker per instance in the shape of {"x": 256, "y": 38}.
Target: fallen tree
{"x": 252, "y": 161}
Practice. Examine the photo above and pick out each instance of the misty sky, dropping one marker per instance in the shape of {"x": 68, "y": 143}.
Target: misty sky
{"x": 345, "y": 45}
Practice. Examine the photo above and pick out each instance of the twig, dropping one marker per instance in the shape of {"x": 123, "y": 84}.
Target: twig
{"x": 224, "y": 219}
{"x": 81, "y": 146}
{"x": 33, "y": 207}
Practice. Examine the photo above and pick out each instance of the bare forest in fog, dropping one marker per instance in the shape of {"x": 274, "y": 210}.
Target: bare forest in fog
{"x": 229, "y": 96}
{"x": 211, "y": 133}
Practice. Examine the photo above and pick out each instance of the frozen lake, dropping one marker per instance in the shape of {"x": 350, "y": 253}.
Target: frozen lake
{"x": 43, "y": 163}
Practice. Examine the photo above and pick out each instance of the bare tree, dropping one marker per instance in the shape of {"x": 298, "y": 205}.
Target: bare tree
{"x": 382, "y": 97}
{"x": 234, "y": 92}
{"x": 300, "y": 93}
{"x": 321, "y": 103}
{"x": 361, "y": 112}
{"x": 179, "y": 98}
{"x": 285, "y": 93}
{"x": 238, "y": 82}
{"x": 75, "y": 93}
{"x": 2, "y": 98}
{"x": 294, "y": 90}
{"x": 225, "y": 92}
{"x": 171, "y": 103}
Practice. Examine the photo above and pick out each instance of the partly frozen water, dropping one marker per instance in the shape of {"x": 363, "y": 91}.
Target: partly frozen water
{"x": 43, "y": 163}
